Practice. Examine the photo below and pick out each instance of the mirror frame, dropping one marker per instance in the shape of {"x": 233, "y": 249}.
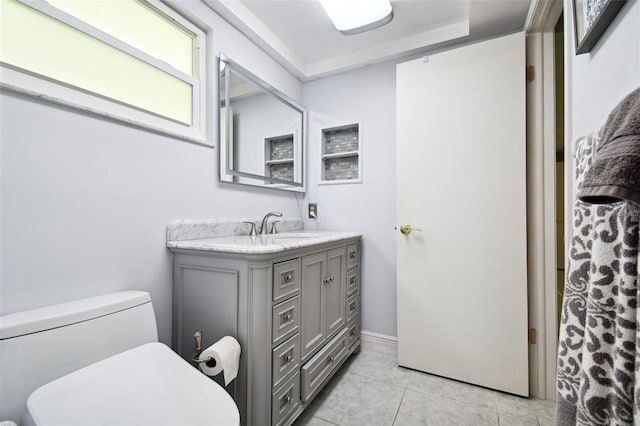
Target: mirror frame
{"x": 227, "y": 174}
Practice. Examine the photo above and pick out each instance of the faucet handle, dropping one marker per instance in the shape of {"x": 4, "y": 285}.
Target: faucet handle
{"x": 253, "y": 232}
{"x": 273, "y": 227}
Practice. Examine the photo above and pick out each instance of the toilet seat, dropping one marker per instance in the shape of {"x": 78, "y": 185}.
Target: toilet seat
{"x": 147, "y": 385}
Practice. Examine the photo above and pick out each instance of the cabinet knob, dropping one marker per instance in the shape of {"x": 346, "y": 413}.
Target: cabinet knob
{"x": 286, "y": 318}
{"x": 287, "y": 359}
{"x": 331, "y": 358}
{"x": 352, "y": 280}
{"x": 352, "y": 332}
{"x": 352, "y": 307}
{"x": 287, "y": 399}
{"x": 288, "y": 278}
{"x": 353, "y": 255}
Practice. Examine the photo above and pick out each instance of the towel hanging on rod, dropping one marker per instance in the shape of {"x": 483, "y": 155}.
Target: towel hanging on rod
{"x": 597, "y": 349}
{"x": 615, "y": 172}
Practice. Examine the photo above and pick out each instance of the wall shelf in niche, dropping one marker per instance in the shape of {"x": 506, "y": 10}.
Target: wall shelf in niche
{"x": 279, "y": 155}
{"x": 340, "y": 154}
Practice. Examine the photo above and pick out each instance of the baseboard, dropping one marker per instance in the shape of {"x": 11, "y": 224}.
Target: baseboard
{"x": 376, "y": 342}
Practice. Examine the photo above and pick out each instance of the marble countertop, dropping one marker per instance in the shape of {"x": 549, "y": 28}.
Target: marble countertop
{"x": 262, "y": 243}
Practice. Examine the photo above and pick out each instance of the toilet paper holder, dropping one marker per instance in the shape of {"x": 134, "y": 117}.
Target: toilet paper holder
{"x": 209, "y": 361}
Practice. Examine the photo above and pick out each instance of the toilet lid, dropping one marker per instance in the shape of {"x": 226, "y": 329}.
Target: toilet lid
{"x": 147, "y": 385}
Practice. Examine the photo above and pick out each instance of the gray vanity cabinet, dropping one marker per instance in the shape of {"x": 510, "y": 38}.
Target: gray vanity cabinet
{"x": 294, "y": 312}
{"x": 323, "y": 296}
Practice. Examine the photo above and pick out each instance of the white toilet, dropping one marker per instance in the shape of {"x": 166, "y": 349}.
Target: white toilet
{"x": 97, "y": 361}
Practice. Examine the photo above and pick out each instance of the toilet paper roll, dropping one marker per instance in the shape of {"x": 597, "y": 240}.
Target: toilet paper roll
{"x": 225, "y": 354}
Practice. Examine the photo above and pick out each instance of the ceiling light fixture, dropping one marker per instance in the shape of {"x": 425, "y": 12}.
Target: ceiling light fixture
{"x": 357, "y": 16}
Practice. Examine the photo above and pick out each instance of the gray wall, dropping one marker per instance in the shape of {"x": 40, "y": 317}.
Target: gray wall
{"x": 601, "y": 78}
{"x": 595, "y": 82}
{"x": 84, "y": 201}
{"x": 367, "y": 96}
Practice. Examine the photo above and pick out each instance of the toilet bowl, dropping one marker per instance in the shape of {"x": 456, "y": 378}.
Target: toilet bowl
{"x": 97, "y": 362}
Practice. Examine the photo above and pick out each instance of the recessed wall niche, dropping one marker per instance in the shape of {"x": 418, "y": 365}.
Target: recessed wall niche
{"x": 341, "y": 154}
{"x": 279, "y": 157}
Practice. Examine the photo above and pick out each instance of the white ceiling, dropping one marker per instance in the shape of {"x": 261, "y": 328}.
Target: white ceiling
{"x": 299, "y": 34}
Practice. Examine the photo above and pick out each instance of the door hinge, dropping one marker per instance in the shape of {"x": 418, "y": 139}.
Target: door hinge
{"x": 530, "y": 73}
{"x": 532, "y": 336}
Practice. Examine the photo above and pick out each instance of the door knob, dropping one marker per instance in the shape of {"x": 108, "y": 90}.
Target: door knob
{"x": 406, "y": 229}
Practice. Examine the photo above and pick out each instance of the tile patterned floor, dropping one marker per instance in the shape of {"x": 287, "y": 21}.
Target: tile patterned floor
{"x": 372, "y": 390}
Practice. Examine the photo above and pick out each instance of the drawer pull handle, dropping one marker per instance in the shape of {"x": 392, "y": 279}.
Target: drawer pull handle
{"x": 286, "y": 318}
{"x": 352, "y": 332}
{"x": 353, "y": 255}
{"x": 352, "y": 306}
{"x": 331, "y": 358}
{"x": 286, "y": 400}
{"x": 328, "y": 280}
{"x": 288, "y": 278}
{"x": 331, "y": 279}
{"x": 352, "y": 280}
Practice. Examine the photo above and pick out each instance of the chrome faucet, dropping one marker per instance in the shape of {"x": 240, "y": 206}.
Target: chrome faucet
{"x": 265, "y": 219}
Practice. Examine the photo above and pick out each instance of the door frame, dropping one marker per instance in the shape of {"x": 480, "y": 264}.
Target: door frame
{"x": 540, "y": 25}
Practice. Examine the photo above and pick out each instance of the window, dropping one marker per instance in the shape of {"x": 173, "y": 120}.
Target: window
{"x": 133, "y": 60}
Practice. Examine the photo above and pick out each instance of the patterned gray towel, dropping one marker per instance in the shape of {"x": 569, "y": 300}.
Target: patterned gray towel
{"x": 615, "y": 174}
{"x": 597, "y": 349}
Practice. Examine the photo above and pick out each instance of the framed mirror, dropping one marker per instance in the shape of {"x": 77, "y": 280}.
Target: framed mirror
{"x": 262, "y": 132}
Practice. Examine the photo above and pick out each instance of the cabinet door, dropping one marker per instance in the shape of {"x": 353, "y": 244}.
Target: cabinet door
{"x": 313, "y": 324}
{"x": 335, "y": 290}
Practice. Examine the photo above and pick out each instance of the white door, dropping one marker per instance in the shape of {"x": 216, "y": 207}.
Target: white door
{"x": 462, "y": 279}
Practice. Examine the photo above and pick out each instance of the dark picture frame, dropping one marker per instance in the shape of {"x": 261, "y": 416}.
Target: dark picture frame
{"x": 591, "y": 19}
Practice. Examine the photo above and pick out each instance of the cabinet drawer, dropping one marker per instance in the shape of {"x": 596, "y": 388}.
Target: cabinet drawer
{"x": 286, "y": 280}
{"x": 285, "y": 320}
{"x": 353, "y": 255}
{"x": 352, "y": 306}
{"x": 353, "y": 281}
{"x": 285, "y": 401}
{"x": 314, "y": 372}
{"x": 354, "y": 333}
{"x": 285, "y": 359}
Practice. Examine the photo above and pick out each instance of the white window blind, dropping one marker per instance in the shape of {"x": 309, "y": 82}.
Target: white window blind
{"x": 131, "y": 59}
{"x": 138, "y": 24}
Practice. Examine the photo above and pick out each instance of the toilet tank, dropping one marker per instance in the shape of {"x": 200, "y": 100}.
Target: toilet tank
{"x": 40, "y": 345}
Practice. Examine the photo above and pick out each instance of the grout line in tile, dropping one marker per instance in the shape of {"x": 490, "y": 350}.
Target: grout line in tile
{"x": 404, "y": 391}
{"x": 325, "y": 420}
{"x": 369, "y": 378}
{"x": 456, "y": 401}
